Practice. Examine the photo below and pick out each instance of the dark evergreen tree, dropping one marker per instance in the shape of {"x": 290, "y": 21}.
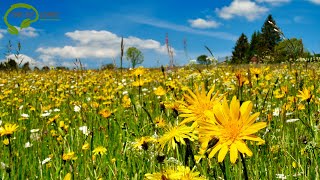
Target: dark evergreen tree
{"x": 270, "y": 37}
{"x": 240, "y": 52}
{"x": 255, "y": 45}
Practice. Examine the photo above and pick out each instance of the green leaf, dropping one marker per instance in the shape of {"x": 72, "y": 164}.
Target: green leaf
{"x": 25, "y": 23}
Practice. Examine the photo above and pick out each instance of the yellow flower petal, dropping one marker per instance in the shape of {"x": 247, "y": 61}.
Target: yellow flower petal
{"x": 222, "y": 153}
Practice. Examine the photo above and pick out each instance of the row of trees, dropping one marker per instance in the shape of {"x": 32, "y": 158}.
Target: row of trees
{"x": 267, "y": 46}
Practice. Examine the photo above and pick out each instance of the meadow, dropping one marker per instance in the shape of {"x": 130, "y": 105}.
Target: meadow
{"x": 216, "y": 122}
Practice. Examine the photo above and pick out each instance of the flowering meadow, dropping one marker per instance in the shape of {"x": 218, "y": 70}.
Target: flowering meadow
{"x": 216, "y": 122}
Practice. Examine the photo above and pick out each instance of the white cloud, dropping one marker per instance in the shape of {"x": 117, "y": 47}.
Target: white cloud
{"x": 315, "y": 1}
{"x": 203, "y": 24}
{"x": 97, "y": 45}
{"x": 28, "y": 32}
{"x": 245, "y": 8}
{"x": 25, "y": 32}
{"x": 273, "y": 2}
{"x": 22, "y": 59}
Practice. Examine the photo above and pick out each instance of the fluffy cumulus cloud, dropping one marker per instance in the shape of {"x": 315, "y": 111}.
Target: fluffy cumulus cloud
{"x": 97, "y": 45}
{"x": 21, "y": 59}
{"x": 315, "y": 1}
{"x": 273, "y": 2}
{"x": 243, "y": 8}
{"x": 29, "y": 32}
{"x": 203, "y": 24}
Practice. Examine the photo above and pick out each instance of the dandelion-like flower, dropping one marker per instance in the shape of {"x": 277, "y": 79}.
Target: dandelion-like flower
{"x": 305, "y": 95}
{"x": 177, "y": 134}
{"x": 197, "y": 103}
{"x": 142, "y": 143}
{"x": 99, "y": 150}
{"x": 159, "y": 91}
{"x": 179, "y": 172}
{"x": 231, "y": 126}
{"x": 8, "y": 129}
{"x": 69, "y": 156}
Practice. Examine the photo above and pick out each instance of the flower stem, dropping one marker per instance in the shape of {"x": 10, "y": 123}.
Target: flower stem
{"x": 10, "y": 157}
{"x": 245, "y": 172}
{"x": 223, "y": 169}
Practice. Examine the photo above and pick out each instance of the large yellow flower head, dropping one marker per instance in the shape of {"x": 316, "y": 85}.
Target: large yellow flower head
{"x": 177, "y": 134}
{"x": 197, "y": 103}
{"x": 231, "y": 126}
{"x": 8, "y": 129}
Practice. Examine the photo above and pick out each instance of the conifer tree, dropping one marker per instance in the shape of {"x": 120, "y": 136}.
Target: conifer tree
{"x": 270, "y": 38}
{"x": 241, "y": 49}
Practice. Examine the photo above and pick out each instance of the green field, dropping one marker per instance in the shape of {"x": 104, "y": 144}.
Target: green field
{"x": 161, "y": 124}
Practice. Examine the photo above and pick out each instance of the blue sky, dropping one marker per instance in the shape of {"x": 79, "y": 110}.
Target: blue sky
{"x": 92, "y": 30}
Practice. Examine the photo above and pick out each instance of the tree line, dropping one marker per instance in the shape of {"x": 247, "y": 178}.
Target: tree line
{"x": 268, "y": 46}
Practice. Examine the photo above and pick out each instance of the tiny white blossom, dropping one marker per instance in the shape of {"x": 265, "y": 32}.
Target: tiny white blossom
{"x": 56, "y": 110}
{"x": 45, "y": 161}
{"x": 34, "y": 130}
{"x": 292, "y": 120}
{"x": 27, "y": 145}
{"x": 46, "y": 114}
{"x": 77, "y": 108}
{"x": 25, "y": 115}
{"x": 276, "y": 112}
{"x": 281, "y": 176}
{"x": 84, "y": 130}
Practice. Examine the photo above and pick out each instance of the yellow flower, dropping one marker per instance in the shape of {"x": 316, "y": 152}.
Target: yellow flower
{"x": 6, "y": 141}
{"x": 68, "y": 176}
{"x": 52, "y": 119}
{"x": 197, "y": 103}
{"x": 105, "y": 113}
{"x": 255, "y": 71}
{"x": 142, "y": 143}
{"x": 139, "y": 82}
{"x": 305, "y": 94}
{"x": 241, "y": 79}
{"x": 231, "y": 126}
{"x": 113, "y": 160}
{"x": 160, "y": 122}
{"x": 99, "y": 150}
{"x": 185, "y": 173}
{"x": 85, "y": 146}
{"x": 139, "y": 71}
{"x": 69, "y": 156}
{"x": 8, "y": 129}
{"x": 177, "y": 134}
{"x": 294, "y": 164}
{"x": 160, "y": 91}
{"x": 126, "y": 102}
{"x": 175, "y": 173}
